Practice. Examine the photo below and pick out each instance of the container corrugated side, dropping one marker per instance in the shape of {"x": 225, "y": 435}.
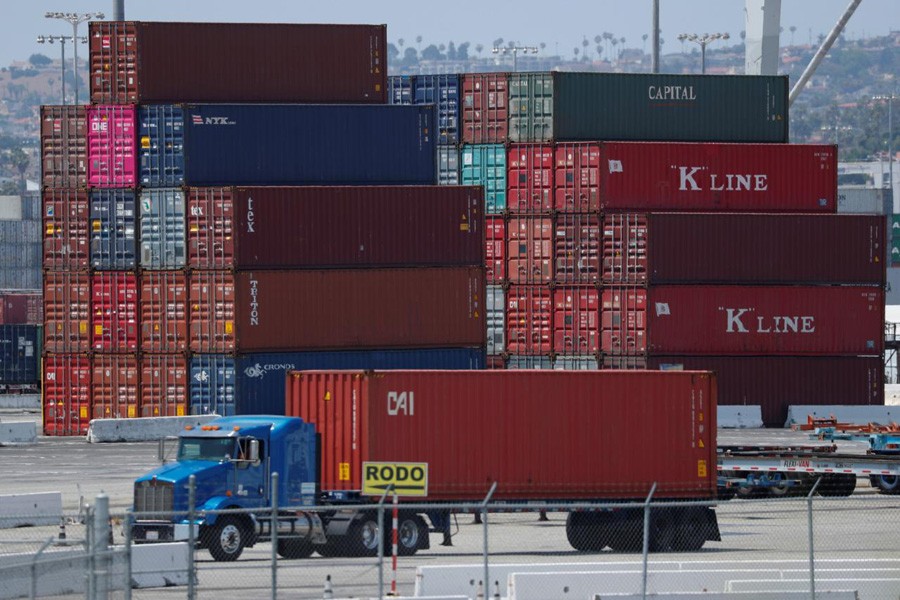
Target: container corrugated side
{"x": 162, "y": 227}
{"x": 66, "y": 394}
{"x": 164, "y": 385}
{"x": 20, "y": 354}
{"x": 65, "y": 221}
{"x": 114, "y": 310}
{"x": 113, "y": 229}
{"x": 588, "y": 444}
{"x": 64, "y": 147}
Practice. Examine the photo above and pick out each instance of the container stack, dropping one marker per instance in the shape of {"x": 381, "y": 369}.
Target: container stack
{"x": 188, "y": 270}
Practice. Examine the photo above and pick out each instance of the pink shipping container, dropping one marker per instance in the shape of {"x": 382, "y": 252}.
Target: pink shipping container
{"x": 776, "y": 382}
{"x": 530, "y": 249}
{"x": 115, "y": 385}
{"x": 576, "y": 321}
{"x": 485, "y": 108}
{"x": 565, "y": 435}
{"x": 529, "y": 318}
{"x": 18, "y": 308}
{"x": 348, "y": 226}
{"x": 495, "y": 249}
{"x": 67, "y": 394}
{"x": 64, "y": 147}
{"x": 164, "y": 311}
{"x": 529, "y": 178}
{"x": 577, "y": 246}
{"x": 112, "y": 146}
{"x": 65, "y": 222}
{"x": 164, "y": 385}
{"x": 653, "y": 176}
{"x": 114, "y": 306}
{"x": 67, "y": 312}
{"x": 577, "y": 177}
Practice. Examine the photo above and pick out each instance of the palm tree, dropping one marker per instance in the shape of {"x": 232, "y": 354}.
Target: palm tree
{"x": 614, "y": 42}
{"x": 543, "y": 45}
{"x": 419, "y": 43}
{"x": 400, "y": 43}
{"x": 644, "y": 48}
{"x": 576, "y": 50}
{"x": 792, "y": 29}
{"x": 478, "y": 49}
{"x": 584, "y": 44}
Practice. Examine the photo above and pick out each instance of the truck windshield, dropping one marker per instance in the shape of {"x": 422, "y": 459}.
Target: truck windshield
{"x": 205, "y": 448}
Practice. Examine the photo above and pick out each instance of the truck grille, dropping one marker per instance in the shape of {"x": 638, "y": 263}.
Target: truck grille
{"x": 153, "y": 497}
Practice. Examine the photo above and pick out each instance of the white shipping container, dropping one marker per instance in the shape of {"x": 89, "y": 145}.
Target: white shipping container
{"x": 10, "y": 208}
{"x": 864, "y": 200}
{"x": 496, "y": 322}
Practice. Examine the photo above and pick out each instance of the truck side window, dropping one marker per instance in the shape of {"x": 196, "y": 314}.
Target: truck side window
{"x": 244, "y": 451}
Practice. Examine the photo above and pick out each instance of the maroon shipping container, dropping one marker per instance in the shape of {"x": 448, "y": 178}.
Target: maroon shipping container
{"x": 625, "y": 248}
{"x": 544, "y": 435}
{"x": 114, "y": 308}
{"x": 577, "y": 177}
{"x": 136, "y": 62}
{"x": 319, "y": 227}
{"x": 65, "y": 217}
{"x": 495, "y": 363}
{"x": 164, "y": 311}
{"x": 64, "y": 146}
{"x": 67, "y": 312}
{"x": 495, "y": 249}
{"x": 529, "y": 318}
{"x": 67, "y": 394}
{"x": 623, "y": 321}
{"x": 576, "y": 319}
{"x": 529, "y": 178}
{"x": 164, "y": 385}
{"x": 18, "y": 308}
{"x": 576, "y": 242}
{"x": 530, "y": 250}
{"x": 115, "y": 386}
{"x": 782, "y": 320}
{"x": 485, "y": 108}
{"x": 336, "y": 309}
{"x": 654, "y": 176}
{"x": 776, "y": 382}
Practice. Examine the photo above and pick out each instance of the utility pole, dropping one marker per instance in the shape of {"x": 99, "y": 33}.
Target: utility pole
{"x": 75, "y": 19}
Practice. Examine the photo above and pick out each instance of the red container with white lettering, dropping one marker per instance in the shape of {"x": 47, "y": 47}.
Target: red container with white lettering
{"x": 577, "y": 177}
{"x": 658, "y": 176}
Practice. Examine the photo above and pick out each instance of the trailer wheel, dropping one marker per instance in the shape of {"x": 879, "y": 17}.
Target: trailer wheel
{"x": 227, "y": 538}
{"x": 837, "y": 484}
{"x": 585, "y": 532}
{"x": 363, "y": 536}
{"x": 295, "y": 548}
{"x": 411, "y": 532}
{"x": 691, "y": 532}
{"x": 886, "y": 484}
{"x": 781, "y": 487}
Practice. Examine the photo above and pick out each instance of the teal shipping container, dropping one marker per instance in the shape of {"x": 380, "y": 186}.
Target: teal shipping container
{"x": 485, "y": 165}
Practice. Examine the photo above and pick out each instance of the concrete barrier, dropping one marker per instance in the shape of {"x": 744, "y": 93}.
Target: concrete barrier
{"x": 739, "y": 417}
{"x": 848, "y": 595}
{"x": 159, "y": 565}
{"x": 21, "y": 401}
{"x": 29, "y": 510}
{"x": 799, "y": 413}
{"x": 18, "y": 433}
{"x": 141, "y": 429}
{"x": 866, "y": 588}
{"x": 55, "y": 572}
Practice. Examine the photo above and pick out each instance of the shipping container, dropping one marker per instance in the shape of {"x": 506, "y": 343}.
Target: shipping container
{"x": 530, "y": 250}
{"x": 20, "y": 346}
{"x": 255, "y": 383}
{"x": 337, "y": 309}
{"x": 864, "y": 200}
{"x": 439, "y": 90}
{"x": 67, "y": 312}
{"x": 623, "y": 321}
{"x": 576, "y": 363}
{"x": 718, "y": 177}
{"x": 529, "y": 174}
{"x": 162, "y": 226}
{"x": 65, "y": 246}
{"x": 569, "y": 106}
{"x": 400, "y": 89}
{"x": 624, "y": 253}
{"x": 298, "y": 144}
{"x": 164, "y": 385}
{"x": 485, "y": 165}
{"x": 429, "y": 420}
{"x": 529, "y": 317}
{"x": 776, "y": 382}
{"x": 448, "y": 165}
{"x": 112, "y": 151}
{"x": 11, "y": 208}
{"x": 320, "y": 227}
{"x": 529, "y": 361}
{"x": 161, "y": 142}
{"x": 21, "y": 307}
{"x": 495, "y": 363}
{"x": 577, "y": 177}
{"x": 66, "y": 394}
{"x": 115, "y": 386}
{"x": 133, "y": 62}
{"x": 114, "y": 311}
{"x": 485, "y": 108}
{"x": 495, "y": 249}
{"x": 496, "y": 320}
{"x": 64, "y": 147}
{"x": 164, "y": 311}
{"x": 576, "y": 248}
{"x": 21, "y": 278}
{"x": 113, "y": 230}
{"x": 576, "y": 321}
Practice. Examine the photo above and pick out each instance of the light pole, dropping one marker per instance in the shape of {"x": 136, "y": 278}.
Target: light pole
{"x": 75, "y": 19}
{"x": 514, "y": 50}
{"x": 890, "y": 101}
{"x": 62, "y": 39}
{"x": 702, "y": 40}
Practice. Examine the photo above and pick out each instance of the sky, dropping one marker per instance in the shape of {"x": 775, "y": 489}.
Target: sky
{"x": 560, "y": 24}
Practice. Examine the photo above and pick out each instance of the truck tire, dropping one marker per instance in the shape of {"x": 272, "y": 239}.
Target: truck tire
{"x": 691, "y": 533}
{"x": 227, "y": 538}
{"x": 585, "y": 532}
{"x": 362, "y": 537}
{"x": 411, "y": 533}
{"x": 837, "y": 484}
{"x": 885, "y": 484}
{"x": 293, "y": 548}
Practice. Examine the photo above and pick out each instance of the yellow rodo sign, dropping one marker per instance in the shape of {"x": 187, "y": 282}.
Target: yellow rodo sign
{"x": 409, "y": 479}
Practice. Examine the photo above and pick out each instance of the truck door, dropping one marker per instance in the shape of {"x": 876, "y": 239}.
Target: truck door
{"x": 250, "y": 478}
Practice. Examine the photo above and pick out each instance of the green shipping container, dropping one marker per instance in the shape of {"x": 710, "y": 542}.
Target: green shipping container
{"x": 557, "y": 106}
{"x": 485, "y": 165}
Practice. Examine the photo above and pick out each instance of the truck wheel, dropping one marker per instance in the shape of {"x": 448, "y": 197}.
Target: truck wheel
{"x": 363, "y": 537}
{"x": 585, "y": 532}
{"x": 886, "y": 484}
{"x": 226, "y": 539}
{"x": 295, "y": 548}
{"x": 837, "y": 484}
{"x": 780, "y": 487}
{"x": 411, "y": 531}
{"x": 691, "y": 532}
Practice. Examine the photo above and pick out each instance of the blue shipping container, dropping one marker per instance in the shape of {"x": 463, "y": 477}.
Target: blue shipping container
{"x": 113, "y": 236}
{"x": 307, "y": 144}
{"x": 19, "y": 354}
{"x": 485, "y": 164}
{"x": 400, "y": 89}
{"x": 161, "y": 143}
{"x": 254, "y": 383}
{"x": 440, "y": 90}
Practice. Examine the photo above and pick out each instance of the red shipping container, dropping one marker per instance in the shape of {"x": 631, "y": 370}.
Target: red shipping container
{"x": 339, "y": 226}
{"x": 164, "y": 385}
{"x": 114, "y": 305}
{"x": 485, "y": 108}
{"x": 136, "y": 62}
{"x": 623, "y": 362}
{"x": 495, "y": 249}
{"x": 529, "y": 315}
{"x": 67, "y": 312}
{"x": 587, "y": 444}
{"x": 212, "y": 302}
{"x": 17, "y": 308}
{"x": 115, "y": 386}
{"x": 112, "y": 146}
{"x": 623, "y": 321}
{"x": 530, "y": 249}
{"x": 164, "y": 311}
{"x": 776, "y": 382}
{"x": 625, "y": 248}
{"x": 768, "y": 320}
{"x": 577, "y": 178}
{"x": 576, "y": 321}
{"x": 495, "y": 363}
{"x": 577, "y": 248}
{"x": 64, "y": 146}
{"x": 652, "y": 176}
{"x": 529, "y": 178}
{"x": 65, "y": 216}
{"x": 67, "y": 394}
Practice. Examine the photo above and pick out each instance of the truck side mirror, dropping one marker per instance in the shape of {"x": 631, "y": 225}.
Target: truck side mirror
{"x": 253, "y": 451}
